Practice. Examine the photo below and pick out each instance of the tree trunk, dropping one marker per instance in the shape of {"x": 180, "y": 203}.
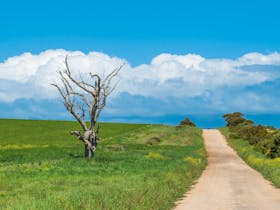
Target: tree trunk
{"x": 91, "y": 137}
{"x": 89, "y": 153}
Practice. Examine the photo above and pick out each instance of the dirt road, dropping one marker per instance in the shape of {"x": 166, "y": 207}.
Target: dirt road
{"x": 228, "y": 183}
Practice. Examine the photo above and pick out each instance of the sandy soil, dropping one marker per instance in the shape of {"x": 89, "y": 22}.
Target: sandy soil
{"x": 228, "y": 182}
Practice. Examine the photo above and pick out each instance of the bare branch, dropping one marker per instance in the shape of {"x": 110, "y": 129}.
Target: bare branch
{"x": 97, "y": 130}
{"x": 69, "y": 105}
{"x": 81, "y": 137}
{"x": 68, "y": 73}
{"x": 114, "y": 72}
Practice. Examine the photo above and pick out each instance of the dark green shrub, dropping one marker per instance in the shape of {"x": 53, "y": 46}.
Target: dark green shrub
{"x": 265, "y": 146}
{"x": 234, "y": 119}
{"x": 233, "y": 135}
{"x": 187, "y": 122}
{"x": 264, "y": 138}
{"x": 275, "y": 149}
{"x": 253, "y": 134}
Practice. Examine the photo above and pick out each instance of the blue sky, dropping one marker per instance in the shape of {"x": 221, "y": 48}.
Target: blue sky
{"x": 139, "y": 32}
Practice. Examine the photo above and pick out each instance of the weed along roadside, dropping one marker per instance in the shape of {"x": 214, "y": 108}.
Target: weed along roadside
{"x": 135, "y": 167}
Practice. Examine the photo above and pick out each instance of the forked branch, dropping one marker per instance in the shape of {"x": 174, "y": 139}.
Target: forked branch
{"x": 85, "y": 100}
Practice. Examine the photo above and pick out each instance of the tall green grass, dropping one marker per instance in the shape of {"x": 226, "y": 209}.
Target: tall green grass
{"x": 269, "y": 168}
{"x": 42, "y": 166}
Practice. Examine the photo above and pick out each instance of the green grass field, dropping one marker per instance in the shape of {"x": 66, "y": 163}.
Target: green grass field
{"x": 269, "y": 168}
{"x": 135, "y": 166}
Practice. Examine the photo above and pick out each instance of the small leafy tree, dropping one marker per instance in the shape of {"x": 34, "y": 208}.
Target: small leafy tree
{"x": 235, "y": 119}
{"x": 187, "y": 122}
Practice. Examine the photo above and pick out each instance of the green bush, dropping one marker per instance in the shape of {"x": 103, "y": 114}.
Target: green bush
{"x": 266, "y": 139}
{"x": 187, "y": 122}
{"x": 275, "y": 149}
{"x": 236, "y": 119}
{"x": 253, "y": 134}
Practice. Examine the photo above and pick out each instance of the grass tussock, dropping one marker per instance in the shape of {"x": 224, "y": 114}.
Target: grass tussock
{"x": 154, "y": 155}
{"x": 126, "y": 173}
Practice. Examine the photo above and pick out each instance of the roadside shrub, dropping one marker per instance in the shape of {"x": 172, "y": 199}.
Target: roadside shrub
{"x": 253, "y": 134}
{"x": 265, "y": 146}
{"x": 275, "y": 149}
{"x": 234, "y": 135}
{"x": 266, "y": 139}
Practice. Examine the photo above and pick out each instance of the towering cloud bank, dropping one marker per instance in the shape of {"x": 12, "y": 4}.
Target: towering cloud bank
{"x": 178, "y": 83}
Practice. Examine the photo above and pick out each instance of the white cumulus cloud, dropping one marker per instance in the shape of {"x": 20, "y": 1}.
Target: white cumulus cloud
{"x": 29, "y": 75}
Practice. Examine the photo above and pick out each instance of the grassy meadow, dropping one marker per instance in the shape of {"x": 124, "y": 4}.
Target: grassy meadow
{"x": 269, "y": 168}
{"x": 135, "y": 166}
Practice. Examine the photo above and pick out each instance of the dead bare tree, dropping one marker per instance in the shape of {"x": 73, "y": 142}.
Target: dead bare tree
{"x": 85, "y": 100}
